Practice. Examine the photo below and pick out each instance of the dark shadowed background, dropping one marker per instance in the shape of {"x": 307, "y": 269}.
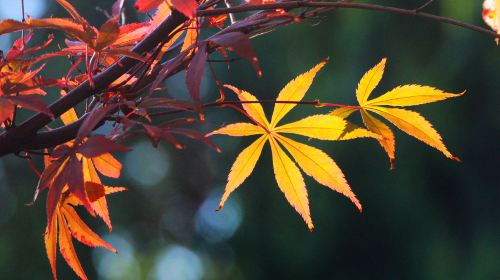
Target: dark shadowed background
{"x": 431, "y": 218}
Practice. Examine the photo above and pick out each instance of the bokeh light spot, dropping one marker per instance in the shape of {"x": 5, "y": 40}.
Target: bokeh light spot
{"x": 122, "y": 265}
{"x": 146, "y": 164}
{"x": 221, "y": 225}
{"x": 178, "y": 263}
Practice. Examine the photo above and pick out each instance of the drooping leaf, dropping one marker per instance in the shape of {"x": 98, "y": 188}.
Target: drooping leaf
{"x": 194, "y": 75}
{"x": 352, "y": 131}
{"x": 67, "y": 249}
{"x": 81, "y": 231}
{"x": 56, "y": 188}
{"x": 291, "y": 182}
{"x": 75, "y": 182}
{"x": 415, "y": 125}
{"x": 238, "y": 42}
{"x": 387, "y": 141}
{"x": 50, "y": 238}
{"x": 243, "y": 167}
{"x": 320, "y": 166}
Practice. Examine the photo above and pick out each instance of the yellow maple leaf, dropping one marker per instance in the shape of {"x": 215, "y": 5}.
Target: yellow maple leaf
{"x": 408, "y": 121}
{"x": 312, "y": 161}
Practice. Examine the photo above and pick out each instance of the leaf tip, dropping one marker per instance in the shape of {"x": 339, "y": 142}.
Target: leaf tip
{"x": 311, "y": 227}
{"x": 357, "y": 203}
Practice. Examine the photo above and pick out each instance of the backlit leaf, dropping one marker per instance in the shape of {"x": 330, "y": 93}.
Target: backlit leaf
{"x": 415, "y": 125}
{"x": 369, "y": 82}
{"x": 313, "y": 161}
{"x": 243, "y": 167}
{"x": 388, "y": 141}
{"x": 411, "y": 95}
{"x": 320, "y": 166}
{"x": 81, "y": 231}
{"x": 343, "y": 112}
{"x": 323, "y": 127}
{"x": 408, "y": 121}
{"x": 291, "y": 182}
{"x": 50, "y": 238}
{"x": 239, "y": 129}
{"x": 294, "y": 91}
{"x": 255, "y": 110}
{"x": 107, "y": 165}
{"x": 67, "y": 250}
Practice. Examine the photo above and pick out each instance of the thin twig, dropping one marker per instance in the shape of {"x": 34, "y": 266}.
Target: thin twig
{"x": 347, "y": 5}
{"x": 315, "y": 103}
{"x": 425, "y": 5}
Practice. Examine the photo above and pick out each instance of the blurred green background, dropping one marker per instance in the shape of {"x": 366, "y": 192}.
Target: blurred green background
{"x": 431, "y": 218}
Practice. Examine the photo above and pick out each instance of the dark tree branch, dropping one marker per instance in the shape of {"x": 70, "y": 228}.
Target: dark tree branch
{"x": 13, "y": 140}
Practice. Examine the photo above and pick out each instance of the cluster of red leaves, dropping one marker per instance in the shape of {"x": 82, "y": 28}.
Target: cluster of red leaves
{"x": 19, "y": 83}
{"x": 71, "y": 177}
{"x": 71, "y": 170}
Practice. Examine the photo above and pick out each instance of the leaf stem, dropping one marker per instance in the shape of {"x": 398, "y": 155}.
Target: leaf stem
{"x": 315, "y": 103}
